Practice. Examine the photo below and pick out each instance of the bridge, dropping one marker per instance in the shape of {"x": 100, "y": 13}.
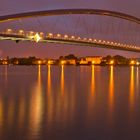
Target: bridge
{"x": 64, "y": 39}
{"x": 22, "y": 35}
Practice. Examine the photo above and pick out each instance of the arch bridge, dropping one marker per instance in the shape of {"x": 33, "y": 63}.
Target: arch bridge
{"x": 66, "y": 39}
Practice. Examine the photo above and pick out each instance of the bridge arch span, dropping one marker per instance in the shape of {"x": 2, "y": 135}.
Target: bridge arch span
{"x": 69, "y": 12}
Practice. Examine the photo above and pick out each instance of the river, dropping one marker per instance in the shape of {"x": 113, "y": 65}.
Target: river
{"x": 69, "y": 103}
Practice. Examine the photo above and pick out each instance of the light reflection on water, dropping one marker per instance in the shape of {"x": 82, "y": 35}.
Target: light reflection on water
{"x": 5, "y": 73}
{"x": 137, "y": 79}
{"x": 62, "y": 80}
{"x": 36, "y": 105}
{"x": 132, "y": 89}
{"x": 91, "y": 97}
{"x": 1, "y": 113}
{"x": 68, "y": 102}
{"x": 92, "y": 80}
{"x": 49, "y": 80}
{"x": 22, "y": 112}
{"x": 111, "y": 89}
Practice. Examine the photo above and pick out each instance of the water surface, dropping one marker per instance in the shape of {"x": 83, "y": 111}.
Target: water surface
{"x": 69, "y": 103}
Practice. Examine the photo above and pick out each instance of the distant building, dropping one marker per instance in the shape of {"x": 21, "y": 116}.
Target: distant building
{"x": 71, "y": 61}
{"x": 91, "y": 60}
{"x": 51, "y": 62}
{"x": 3, "y": 62}
{"x": 68, "y": 61}
{"x": 94, "y": 59}
{"x": 83, "y": 61}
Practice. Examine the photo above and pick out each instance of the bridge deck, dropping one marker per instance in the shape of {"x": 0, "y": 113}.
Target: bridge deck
{"x": 15, "y": 37}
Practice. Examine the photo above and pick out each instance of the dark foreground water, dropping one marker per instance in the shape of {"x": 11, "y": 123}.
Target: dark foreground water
{"x": 69, "y": 103}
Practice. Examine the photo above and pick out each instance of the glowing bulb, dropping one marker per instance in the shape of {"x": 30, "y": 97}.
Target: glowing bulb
{"x": 132, "y": 62}
{"x": 39, "y": 62}
{"x": 111, "y": 62}
{"x": 21, "y": 31}
{"x": 137, "y": 63}
{"x": 58, "y": 35}
{"x": 62, "y": 62}
{"x": 93, "y": 62}
{"x": 49, "y": 62}
{"x": 79, "y": 38}
{"x": 37, "y": 37}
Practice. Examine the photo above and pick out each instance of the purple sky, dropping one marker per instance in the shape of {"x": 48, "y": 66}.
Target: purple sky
{"x": 9, "y": 48}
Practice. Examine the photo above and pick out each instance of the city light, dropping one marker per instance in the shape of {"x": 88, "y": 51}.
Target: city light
{"x": 31, "y": 34}
{"x": 65, "y": 36}
{"x": 39, "y": 62}
{"x": 111, "y": 62}
{"x": 58, "y": 35}
{"x": 41, "y": 33}
{"x": 72, "y": 37}
{"x": 62, "y": 62}
{"x": 21, "y": 31}
{"x": 79, "y": 38}
{"x": 93, "y": 62}
{"x": 137, "y": 63}
{"x": 95, "y": 40}
{"x": 50, "y": 62}
{"x": 37, "y": 37}
{"x": 132, "y": 62}
{"x": 50, "y": 35}
{"x": 5, "y": 63}
{"x": 90, "y": 39}
{"x": 9, "y": 31}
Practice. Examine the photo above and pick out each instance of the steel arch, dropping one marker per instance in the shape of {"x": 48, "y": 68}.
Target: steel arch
{"x": 69, "y": 12}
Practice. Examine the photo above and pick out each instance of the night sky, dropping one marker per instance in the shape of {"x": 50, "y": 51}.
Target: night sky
{"x": 24, "y": 49}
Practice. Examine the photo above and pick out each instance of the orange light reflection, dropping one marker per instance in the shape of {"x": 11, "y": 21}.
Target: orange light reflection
{"x": 21, "y": 111}
{"x": 49, "y": 97}
{"x": 131, "y": 96}
{"x": 92, "y": 80}
{"x": 62, "y": 79}
{"x": 137, "y": 80}
{"x": 111, "y": 88}
{"x": 91, "y": 97}
{"x": 36, "y": 105}
{"x": 1, "y": 113}
{"x": 111, "y": 94}
{"x": 49, "y": 80}
{"x": 11, "y": 110}
{"x": 6, "y": 73}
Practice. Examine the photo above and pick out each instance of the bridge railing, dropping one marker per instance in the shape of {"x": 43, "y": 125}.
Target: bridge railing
{"x": 31, "y": 35}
